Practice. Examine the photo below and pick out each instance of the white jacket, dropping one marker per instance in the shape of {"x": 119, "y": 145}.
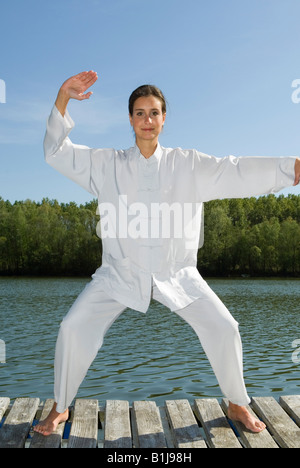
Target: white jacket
{"x": 150, "y": 209}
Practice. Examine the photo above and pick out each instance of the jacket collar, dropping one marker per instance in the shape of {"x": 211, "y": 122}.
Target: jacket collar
{"x": 153, "y": 159}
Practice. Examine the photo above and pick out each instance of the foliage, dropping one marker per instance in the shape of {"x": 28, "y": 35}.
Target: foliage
{"x": 255, "y": 236}
{"x": 48, "y": 238}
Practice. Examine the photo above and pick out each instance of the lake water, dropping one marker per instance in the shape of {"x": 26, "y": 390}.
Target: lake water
{"x": 153, "y": 356}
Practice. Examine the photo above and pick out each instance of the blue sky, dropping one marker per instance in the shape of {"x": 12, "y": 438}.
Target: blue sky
{"x": 226, "y": 68}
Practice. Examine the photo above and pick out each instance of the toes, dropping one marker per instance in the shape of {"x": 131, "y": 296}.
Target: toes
{"x": 260, "y": 426}
{"x": 40, "y": 429}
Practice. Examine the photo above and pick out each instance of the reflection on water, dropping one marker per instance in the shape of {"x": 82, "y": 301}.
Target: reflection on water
{"x": 156, "y": 355}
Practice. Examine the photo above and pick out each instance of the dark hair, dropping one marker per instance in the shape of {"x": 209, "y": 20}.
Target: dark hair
{"x": 145, "y": 91}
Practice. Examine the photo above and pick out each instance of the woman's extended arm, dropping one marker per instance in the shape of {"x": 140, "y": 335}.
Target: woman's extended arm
{"x": 243, "y": 177}
{"x": 75, "y": 88}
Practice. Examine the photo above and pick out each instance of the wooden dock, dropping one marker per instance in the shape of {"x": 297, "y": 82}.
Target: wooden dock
{"x": 179, "y": 424}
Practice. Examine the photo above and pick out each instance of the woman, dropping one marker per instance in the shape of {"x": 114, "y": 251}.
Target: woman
{"x": 143, "y": 257}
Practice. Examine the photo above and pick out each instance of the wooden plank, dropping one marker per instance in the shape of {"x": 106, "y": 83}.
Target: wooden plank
{"x": 166, "y": 427}
{"x": 291, "y": 404}
{"x": 148, "y": 425}
{"x": 16, "y": 427}
{"x": 171, "y": 426}
{"x": 54, "y": 439}
{"x": 84, "y": 429}
{"x": 216, "y": 427}
{"x": 284, "y": 430}
{"x": 184, "y": 427}
{"x": 250, "y": 439}
{"x": 117, "y": 430}
{"x": 4, "y": 403}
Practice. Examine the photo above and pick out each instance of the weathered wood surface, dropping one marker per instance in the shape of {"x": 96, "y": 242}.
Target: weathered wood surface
{"x": 284, "y": 429}
{"x": 184, "y": 427}
{"x": 178, "y": 424}
{"x": 117, "y": 425}
{"x": 17, "y": 425}
{"x": 4, "y": 402}
{"x": 148, "y": 425}
{"x": 217, "y": 429}
{"x": 84, "y": 429}
{"x": 291, "y": 404}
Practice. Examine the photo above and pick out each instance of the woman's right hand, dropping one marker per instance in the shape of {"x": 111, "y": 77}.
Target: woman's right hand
{"x": 75, "y": 88}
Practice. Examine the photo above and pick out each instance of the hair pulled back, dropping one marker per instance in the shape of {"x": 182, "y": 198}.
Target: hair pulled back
{"x": 145, "y": 91}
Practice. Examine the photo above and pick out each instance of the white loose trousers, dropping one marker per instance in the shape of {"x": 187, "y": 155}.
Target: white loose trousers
{"x": 84, "y": 327}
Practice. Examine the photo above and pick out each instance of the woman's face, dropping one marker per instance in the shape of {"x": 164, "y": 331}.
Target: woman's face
{"x": 147, "y": 118}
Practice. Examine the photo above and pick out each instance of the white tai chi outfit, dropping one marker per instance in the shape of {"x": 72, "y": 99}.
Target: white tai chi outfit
{"x": 150, "y": 216}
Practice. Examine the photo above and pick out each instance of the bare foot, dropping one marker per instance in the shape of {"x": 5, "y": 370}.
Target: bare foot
{"x": 241, "y": 414}
{"x": 49, "y": 424}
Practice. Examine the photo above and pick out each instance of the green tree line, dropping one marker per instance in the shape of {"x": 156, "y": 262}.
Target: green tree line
{"x": 255, "y": 236}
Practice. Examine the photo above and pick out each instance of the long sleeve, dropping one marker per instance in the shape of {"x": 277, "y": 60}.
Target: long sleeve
{"x": 83, "y": 165}
{"x": 241, "y": 177}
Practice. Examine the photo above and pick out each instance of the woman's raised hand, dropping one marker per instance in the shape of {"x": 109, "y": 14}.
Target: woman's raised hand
{"x": 75, "y": 88}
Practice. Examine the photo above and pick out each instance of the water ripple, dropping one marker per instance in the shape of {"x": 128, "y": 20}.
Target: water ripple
{"x": 153, "y": 356}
